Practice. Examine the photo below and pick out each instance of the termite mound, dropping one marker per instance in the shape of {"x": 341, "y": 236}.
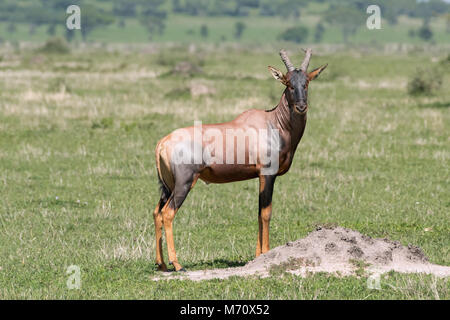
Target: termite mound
{"x": 336, "y": 250}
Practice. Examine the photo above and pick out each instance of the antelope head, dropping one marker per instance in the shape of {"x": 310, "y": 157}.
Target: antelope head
{"x": 296, "y": 80}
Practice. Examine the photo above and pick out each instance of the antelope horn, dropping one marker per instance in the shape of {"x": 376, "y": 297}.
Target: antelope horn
{"x": 286, "y": 60}
{"x": 305, "y": 63}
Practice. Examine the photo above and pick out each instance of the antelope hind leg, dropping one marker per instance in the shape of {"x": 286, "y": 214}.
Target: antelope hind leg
{"x": 169, "y": 211}
{"x": 157, "y": 217}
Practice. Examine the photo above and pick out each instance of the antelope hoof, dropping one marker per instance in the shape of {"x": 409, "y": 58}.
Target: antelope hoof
{"x": 162, "y": 267}
{"x": 177, "y": 266}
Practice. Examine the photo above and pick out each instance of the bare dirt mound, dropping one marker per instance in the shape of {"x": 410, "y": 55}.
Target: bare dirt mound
{"x": 336, "y": 250}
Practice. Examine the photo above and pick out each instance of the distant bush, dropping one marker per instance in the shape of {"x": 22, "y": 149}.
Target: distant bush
{"x": 104, "y": 123}
{"x": 424, "y": 82}
{"x": 204, "y": 31}
{"x": 172, "y": 58}
{"x": 446, "y": 61}
{"x": 56, "y": 46}
{"x": 58, "y": 84}
{"x": 425, "y": 32}
{"x": 51, "y": 30}
{"x": 295, "y": 34}
{"x": 179, "y": 93}
{"x": 444, "y": 65}
{"x": 186, "y": 68}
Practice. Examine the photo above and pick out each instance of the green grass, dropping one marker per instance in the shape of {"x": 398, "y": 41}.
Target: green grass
{"x": 78, "y": 180}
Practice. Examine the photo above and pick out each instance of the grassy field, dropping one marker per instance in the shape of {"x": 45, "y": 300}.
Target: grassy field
{"x": 78, "y": 179}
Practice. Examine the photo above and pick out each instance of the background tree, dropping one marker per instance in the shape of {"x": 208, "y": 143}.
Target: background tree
{"x": 239, "y": 28}
{"x": 283, "y": 8}
{"x": 347, "y": 15}
{"x": 425, "y": 32}
{"x": 69, "y": 34}
{"x": 93, "y": 17}
{"x": 223, "y": 8}
{"x": 11, "y": 28}
{"x": 295, "y": 34}
{"x": 348, "y": 19}
{"x": 125, "y": 8}
{"x": 244, "y": 6}
{"x": 54, "y": 15}
{"x": 51, "y": 30}
{"x": 204, "y": 31}
{"x": 191, "y": 7}
{"x": 268, "y": 8}
{"x": 38, "y": 16}
{"x": 153, "y": 17}
{"x": 59, "y": 4}
{"x": 318, "y": 32}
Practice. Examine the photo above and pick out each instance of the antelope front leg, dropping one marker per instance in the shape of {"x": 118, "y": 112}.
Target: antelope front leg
{"x": 266, "y": 184}
{"x": 259, "y": 241}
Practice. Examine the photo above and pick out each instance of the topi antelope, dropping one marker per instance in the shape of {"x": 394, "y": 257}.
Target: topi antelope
{"x": 186, "y": 154}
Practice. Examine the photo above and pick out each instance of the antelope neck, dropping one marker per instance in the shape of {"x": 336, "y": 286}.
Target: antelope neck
{"x": 286, "y": 119}
{"x": 291, "y": 124}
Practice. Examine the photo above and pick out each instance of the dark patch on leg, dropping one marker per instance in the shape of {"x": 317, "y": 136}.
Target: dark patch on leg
{"x": 184, "y": 177}
{"x": 165, "y": 193}
{"x": 180, "y": 194}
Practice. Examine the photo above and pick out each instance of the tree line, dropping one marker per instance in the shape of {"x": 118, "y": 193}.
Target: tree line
{"x": 152, "y": 14}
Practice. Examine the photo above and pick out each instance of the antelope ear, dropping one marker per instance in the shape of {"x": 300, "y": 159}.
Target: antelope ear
{"x": 278, "y": 75}
{"x": 315, "y": 73}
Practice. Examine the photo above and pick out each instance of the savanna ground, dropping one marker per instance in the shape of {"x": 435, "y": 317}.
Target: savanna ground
{"x": 78, "y": 182}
